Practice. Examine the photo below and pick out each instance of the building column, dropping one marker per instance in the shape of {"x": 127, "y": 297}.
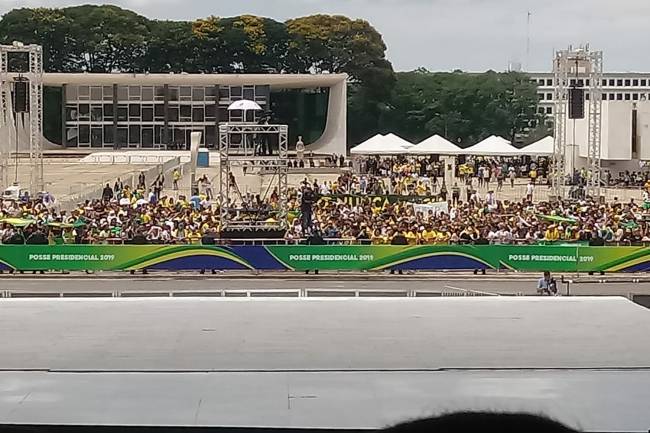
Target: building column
{"x": 64, "y": 135}
{"x": 216, "y": 117}
{"x": 301, "y": 114}
{"x": 115, "y": 100}
{"x": 166, "y": 135}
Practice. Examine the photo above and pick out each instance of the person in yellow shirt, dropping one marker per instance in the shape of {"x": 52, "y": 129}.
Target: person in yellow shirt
{"x": 194, "y": 237}
{"x": 429, "y": 235}
{"x": 377, "y": 238}
{"x": 552, "y": 233}
{"x": 442, "y": 236}
{"x": 411, "y": 237}
{"x": 420, "y": 189}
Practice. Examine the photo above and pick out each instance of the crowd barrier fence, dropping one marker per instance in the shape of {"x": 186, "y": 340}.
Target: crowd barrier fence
{"x": 524, "y": 258}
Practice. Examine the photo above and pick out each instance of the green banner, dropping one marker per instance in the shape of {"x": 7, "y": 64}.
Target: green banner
{"x": 118, "y": 257}
{"x": 533, "y": 258}
{"x": 434, "y": 257}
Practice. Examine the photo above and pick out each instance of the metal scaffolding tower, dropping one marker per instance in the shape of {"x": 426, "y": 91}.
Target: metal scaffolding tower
{"x": 586, "y": 67}
{"x": 34, "y": 75}
{"x": 241, "y": 153}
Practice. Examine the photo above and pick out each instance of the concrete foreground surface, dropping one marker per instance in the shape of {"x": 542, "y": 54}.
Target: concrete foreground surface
{"x": 208, "y": 334}
{"x": 322, "y": 363}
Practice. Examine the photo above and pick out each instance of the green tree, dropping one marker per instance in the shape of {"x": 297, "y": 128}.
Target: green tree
{"x": 213, "y": 53}
{"x": 171, "y": 47}
{"x": 463, "y": 107}
{"x": 334, "y": 43}
{"x": 256, "y": 45}
{"x": 107, "y": 38}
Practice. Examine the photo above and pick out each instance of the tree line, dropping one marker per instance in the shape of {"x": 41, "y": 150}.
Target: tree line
{"x": 413, "y": 104}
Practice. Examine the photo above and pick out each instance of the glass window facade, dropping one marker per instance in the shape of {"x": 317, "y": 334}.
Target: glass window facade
{"x": 153, "y": 116}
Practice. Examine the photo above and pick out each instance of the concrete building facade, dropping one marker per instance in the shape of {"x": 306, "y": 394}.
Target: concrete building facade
{"x": 159, "y": 111}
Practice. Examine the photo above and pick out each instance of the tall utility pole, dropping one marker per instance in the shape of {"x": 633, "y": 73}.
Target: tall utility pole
{"x": 528, "y": 40}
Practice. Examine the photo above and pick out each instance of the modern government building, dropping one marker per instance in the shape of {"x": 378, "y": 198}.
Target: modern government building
{"x": 158, "y": 111}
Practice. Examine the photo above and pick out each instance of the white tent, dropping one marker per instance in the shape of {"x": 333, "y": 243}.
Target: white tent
{"x": 370, "y": 145}
{"x": 493, "y": 146}
{"x": 435, "y": 145}
{"x": 543, "y": 147}
{"x": 389, "y": 144}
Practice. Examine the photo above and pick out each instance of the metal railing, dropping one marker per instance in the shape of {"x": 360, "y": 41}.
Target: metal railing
{"x": 247, "y": 293}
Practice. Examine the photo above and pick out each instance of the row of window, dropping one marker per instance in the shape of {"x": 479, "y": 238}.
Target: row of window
{"x": 153, "y": 113}
{"x": 607, "y": 82}
{"x": 626, "y": 97}
{"x": 176, "y": 93}
{"x": 135, "y": 136}
{"x": 607, "y": 96}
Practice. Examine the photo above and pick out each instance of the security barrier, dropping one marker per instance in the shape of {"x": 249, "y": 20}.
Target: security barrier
{"x": 574, "y": 258}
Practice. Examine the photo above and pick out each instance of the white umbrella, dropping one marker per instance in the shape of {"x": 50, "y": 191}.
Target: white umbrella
{"x": 244, "y": 104}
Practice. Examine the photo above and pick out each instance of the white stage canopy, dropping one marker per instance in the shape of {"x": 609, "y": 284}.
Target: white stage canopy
{"x": 435, "y": 145}
{"x": 389, "y": 144}
{"x": 543, "y": 147}
{"x": 493, "y": 146}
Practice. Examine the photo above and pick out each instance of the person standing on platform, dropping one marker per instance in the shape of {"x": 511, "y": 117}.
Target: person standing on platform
{"x": 206, "y": 185}
{"x": 118, "y": 187}
{"x": 141, "y": 180}
{"x": 455, "y": 194}
{"x": 107, "y": 194}
{"x": 398, "y": 239}
{"x": 530, "y": 188}
{"x": 176, "y": 176}
{"x": 306, "y": 206}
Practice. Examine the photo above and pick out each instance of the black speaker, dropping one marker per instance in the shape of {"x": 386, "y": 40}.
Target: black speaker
{"x": 21, "y": 97}
{"x": 576, "y": 103}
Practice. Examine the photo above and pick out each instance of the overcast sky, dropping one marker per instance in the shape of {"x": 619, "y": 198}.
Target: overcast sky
{"x": 472, "y": 35}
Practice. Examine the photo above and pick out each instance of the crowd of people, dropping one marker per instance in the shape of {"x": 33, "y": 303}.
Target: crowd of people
{"x": 470, "y": 170}
{"x": 143, "y": 214}
{"x": 394, "y": 201}
{"x": 480, "y": 220}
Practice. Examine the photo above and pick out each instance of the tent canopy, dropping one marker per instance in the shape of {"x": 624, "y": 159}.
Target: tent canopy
{"x": 389, "y": 144}
{"x": 543, "y": 147}
{"x": 436, "y": 145}
{"x": 370, "y": 145}
{"x": 493, "y": 146}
